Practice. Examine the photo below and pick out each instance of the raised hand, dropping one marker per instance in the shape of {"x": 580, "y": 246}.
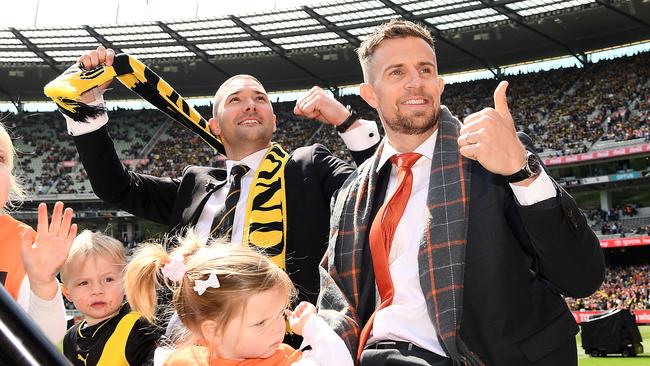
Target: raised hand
{"x": 490, "y": 137}
{"x": 319, "y": 105}
{"x": 45, "y": 251}
{"x": 92, "y": 59}
{"x": 299, "y": 316}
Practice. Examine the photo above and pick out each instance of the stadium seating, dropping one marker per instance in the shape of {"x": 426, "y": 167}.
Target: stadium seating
{"x": 565, "y": 111}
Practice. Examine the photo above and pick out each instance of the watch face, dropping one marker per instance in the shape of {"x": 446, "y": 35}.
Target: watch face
{"x": 534, "y": 164}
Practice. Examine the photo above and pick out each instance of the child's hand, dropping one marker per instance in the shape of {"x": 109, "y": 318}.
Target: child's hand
{"x": 45, "y": 252}
{"x": 298, "y": 318}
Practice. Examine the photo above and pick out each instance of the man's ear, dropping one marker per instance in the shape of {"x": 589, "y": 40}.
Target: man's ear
{"x": 275, "y": 120}
{"x": 368, "y": 94}
{"x": 211, "y": 332}
{"x": 214, "y": 126}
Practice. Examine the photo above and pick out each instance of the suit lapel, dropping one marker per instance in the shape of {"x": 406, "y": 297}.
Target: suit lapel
{"x": 205, "y": 185}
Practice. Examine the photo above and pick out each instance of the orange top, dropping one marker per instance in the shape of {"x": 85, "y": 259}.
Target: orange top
{"x": 199, "y": 355}
{"x": 12, "y": 271}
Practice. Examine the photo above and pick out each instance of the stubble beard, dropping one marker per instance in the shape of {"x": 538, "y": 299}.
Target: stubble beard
{"x": 417, "y": 124}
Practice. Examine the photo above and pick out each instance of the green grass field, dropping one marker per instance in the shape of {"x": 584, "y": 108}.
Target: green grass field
{"x": 616, "y": 360}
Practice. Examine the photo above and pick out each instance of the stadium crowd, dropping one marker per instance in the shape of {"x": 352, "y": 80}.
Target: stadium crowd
{"x": 625, "y": 287}
{"x": 565, "y": 111}
{"x": 616, "y": 220}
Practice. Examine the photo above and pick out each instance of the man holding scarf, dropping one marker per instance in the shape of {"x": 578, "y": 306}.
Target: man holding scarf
{"x": 451, "y": 245}
{"x": 264, "y": 198}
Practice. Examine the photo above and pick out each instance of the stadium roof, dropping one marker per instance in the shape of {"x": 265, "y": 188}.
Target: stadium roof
{"x": 314, "y": 45}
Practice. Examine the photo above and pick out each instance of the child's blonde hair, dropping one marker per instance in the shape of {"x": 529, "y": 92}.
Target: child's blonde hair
{"x": 16, "y": 193}
{"x": 94, "y": 244}
{"x": 241, "y": 272}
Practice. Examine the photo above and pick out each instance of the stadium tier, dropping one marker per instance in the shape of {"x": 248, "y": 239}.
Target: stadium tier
{"x": 565, "y": 111}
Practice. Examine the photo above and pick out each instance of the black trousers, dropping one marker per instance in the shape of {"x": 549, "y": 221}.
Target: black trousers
{"x": 400, "y": 356}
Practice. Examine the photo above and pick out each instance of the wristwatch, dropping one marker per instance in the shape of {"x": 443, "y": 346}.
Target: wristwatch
{"x": 348, "y": 121}
{"x": 532, "y": 168}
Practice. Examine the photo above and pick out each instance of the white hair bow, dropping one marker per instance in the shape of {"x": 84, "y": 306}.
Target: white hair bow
{"x": 201, "y": 285}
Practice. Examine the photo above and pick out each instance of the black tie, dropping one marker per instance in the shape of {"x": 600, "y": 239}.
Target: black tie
{"x": 224, "y": 219}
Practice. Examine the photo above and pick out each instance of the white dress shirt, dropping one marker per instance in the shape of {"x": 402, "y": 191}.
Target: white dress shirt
{"x": 407, "y": 319}
{"x": 218, "y": 199}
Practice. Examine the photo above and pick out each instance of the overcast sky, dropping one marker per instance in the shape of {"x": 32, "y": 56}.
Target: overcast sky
{"x": 53, "y": 13}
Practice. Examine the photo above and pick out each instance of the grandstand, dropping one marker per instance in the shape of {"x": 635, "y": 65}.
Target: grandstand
{"x": 590, "y": 122}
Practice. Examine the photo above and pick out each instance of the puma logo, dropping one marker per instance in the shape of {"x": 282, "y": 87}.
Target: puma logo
{"x": 82, "y": 359}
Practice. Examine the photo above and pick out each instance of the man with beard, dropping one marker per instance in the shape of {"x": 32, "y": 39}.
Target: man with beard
{"x": 264, "y": 198}
{"x": 458, "y": 249}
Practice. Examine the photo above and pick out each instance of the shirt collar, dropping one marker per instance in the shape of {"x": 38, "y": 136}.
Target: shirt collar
{"x": 252, "y": 161}
{"x": 425, "y": 149}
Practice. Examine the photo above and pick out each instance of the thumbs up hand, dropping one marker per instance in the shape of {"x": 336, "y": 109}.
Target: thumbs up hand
{"x": 490, "y": 137}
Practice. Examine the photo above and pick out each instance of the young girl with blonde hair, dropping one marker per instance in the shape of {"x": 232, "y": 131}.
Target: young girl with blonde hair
{"x": 233, "y": 301}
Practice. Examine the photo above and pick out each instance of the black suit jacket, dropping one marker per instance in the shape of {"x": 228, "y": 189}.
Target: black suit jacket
{"x": 312, "y": 176}
{"x": 519, "y": 261}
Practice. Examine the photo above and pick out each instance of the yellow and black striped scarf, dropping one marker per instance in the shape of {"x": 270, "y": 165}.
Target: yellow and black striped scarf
{"x": 266, "y": 214}
{"x": 66, "y": 90}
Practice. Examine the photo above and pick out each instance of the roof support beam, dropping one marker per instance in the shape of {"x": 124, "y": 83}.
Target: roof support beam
{"x": 512, "y": 15}
{"x": 279, "y": 51}
{"x": 101, "y": 39}
{"x": 438, "y": 35}
{"x": 354, "y": 41}
{"x": 201, "y": 54}
{"x": 32, "y": 47}
{"x": 616, "y": 10}
{"x": 15, "y": 102}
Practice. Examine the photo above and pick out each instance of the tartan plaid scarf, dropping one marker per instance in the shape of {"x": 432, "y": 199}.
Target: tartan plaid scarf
{"x": 441, "y": 256}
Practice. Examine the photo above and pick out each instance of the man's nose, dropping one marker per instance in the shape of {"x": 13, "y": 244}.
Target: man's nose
{"x": 414, "y": 79}
{"x": 250, "y": 105}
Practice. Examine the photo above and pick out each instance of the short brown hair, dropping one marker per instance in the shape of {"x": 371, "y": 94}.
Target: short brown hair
{"x": 391, "y": 30}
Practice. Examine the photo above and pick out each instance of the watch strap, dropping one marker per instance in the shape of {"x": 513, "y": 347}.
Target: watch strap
{"x": 348, "y": 122}
{"x": 525, "y": 172}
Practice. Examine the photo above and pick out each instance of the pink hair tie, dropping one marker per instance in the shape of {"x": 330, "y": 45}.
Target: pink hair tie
{"x": 175, "y": 268}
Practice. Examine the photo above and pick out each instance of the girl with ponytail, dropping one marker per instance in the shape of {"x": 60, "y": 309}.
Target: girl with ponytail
{"x": 233, "y": 301}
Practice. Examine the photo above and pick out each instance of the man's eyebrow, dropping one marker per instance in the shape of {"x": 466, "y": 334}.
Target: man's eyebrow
{"x": 392, "y": 66}
{"x": 241, "y": 90}
{"x": 421, "y": 63}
